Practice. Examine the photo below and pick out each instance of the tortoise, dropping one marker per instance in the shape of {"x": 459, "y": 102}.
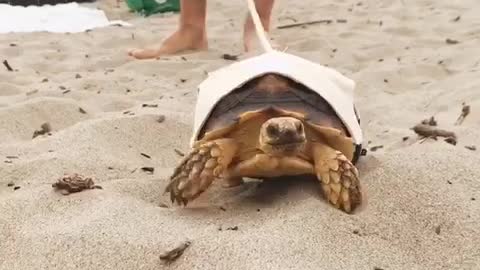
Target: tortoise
{"x": 271, "y": 126}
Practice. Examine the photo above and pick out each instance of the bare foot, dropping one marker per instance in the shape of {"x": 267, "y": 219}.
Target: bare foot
{"x": 180, "y": 41}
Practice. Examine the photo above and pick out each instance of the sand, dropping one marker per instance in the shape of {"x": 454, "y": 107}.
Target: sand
{"x": 423, "y": 208}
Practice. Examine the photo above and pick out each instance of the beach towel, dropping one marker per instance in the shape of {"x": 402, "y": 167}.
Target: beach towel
{"x": 60, "y": 18}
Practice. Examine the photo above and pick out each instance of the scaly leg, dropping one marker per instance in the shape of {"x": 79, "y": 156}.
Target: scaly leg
{"x": 339, "y": 177}
{"x": 199, "y": 168}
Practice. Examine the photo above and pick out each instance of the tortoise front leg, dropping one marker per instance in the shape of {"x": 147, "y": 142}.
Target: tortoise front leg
{"x": 339, "y": 177}
{"x": 199, "y": 168}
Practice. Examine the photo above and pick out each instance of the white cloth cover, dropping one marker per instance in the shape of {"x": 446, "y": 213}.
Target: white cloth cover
{"x": 335, "y": 88}
{"x": 60, "y": 18}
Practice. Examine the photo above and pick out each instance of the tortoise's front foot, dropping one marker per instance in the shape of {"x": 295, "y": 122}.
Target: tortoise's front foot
{"x": 339, "y": 178}
{"x": 199, "y": 168}
{"x": 232, "y": 181}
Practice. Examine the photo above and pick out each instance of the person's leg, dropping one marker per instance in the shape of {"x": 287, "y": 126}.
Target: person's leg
{"x": 191, "y": 34}
{"x": 264, "y": 9}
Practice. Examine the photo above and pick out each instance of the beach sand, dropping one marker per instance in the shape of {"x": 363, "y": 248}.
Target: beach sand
{"x": 423, "y": 198}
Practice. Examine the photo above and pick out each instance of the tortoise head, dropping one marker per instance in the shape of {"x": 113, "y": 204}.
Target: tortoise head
{"x": 280, "y": 136}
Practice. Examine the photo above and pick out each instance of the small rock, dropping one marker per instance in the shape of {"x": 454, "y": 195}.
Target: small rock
{"x": 161, "y": 118}
{"x": 451, "y": 41}
{"x": 16, "y": 188}
{"x": 230, "y": 57}
{"x": 451, "y": 140}
{"x": 10, "y": 184}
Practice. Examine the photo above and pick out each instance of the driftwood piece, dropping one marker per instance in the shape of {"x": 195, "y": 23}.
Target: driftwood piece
{"x": 7, "y": 65}
{"x": 463, "y": 114}
{"x": 172, "y": 255}
{"x": 304, "y": 24}
{"x": 430, "y": 131}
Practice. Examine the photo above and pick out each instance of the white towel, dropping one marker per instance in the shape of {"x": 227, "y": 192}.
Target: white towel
{"x": 61, "y": 18}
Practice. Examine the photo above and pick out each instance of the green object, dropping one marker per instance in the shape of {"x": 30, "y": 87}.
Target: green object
{"x": 149, "y": 7}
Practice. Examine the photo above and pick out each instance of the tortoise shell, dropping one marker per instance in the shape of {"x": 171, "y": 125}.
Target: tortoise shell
{"x": 274, "y": 91}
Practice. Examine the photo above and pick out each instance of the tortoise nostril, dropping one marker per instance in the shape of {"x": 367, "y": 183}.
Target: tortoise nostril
{"x": 272, "y": 129}
{"x": 299, "y": 126}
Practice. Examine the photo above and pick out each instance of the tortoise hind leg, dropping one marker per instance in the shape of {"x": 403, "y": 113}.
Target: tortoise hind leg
{"x": 199, "y": 168}
{"x": 339, "y": 177}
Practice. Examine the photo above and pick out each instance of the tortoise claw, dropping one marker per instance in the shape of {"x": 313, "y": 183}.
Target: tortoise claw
{"x": 198, "y": 169}
{"x": 339, "y": 178}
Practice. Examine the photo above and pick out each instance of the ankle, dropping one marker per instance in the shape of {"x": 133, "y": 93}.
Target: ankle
{"x": 249, "y": 25}
{"x": 192, "y": 29}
